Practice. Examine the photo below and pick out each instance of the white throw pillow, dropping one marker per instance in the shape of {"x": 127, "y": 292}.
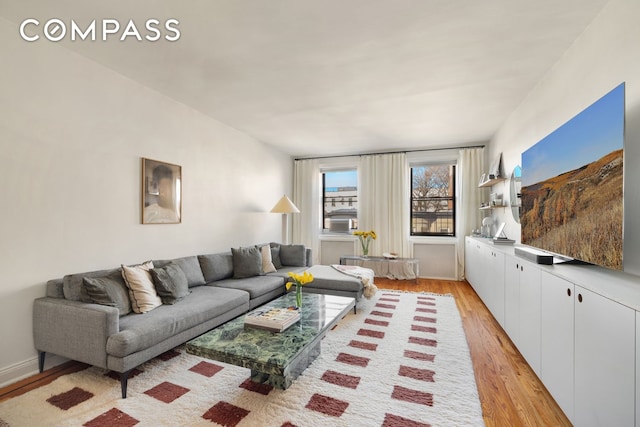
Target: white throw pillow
{"x": 142, "y": 292}
{"x": 267, "y": 262}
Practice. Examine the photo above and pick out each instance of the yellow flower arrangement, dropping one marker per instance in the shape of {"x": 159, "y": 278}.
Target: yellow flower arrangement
{"x": 299, "y": 280}
{"x": 365, "y": 238}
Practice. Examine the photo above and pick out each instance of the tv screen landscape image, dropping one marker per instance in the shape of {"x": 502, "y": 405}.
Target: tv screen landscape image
{"x": 572, "y": 186}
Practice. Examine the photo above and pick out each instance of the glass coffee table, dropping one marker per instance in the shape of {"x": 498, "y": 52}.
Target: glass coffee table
{"x": 275, "y": 358}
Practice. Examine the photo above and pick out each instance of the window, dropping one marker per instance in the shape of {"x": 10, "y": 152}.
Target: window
{"x": 340, "y": 201}
{"x": 433, "y": 202}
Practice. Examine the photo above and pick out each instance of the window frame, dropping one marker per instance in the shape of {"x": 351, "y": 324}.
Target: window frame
{"x": 453, "y": 174}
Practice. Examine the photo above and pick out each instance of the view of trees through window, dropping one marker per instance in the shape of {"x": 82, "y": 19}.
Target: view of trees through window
{"x": 340, "y": 200}
{"x": 433, "y": 203}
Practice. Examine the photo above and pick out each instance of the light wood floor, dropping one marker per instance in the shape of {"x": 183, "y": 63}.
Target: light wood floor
{"x": 510, "y": 393}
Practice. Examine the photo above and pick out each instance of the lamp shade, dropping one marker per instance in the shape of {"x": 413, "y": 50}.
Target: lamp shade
{"x": 284, "y": 206}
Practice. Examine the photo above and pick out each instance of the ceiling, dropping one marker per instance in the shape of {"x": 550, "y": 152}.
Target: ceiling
{"x": 332, "y": 77}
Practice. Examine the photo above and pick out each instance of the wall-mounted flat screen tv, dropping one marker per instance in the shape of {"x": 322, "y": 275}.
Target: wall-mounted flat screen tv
{"x": 572, "y": 186}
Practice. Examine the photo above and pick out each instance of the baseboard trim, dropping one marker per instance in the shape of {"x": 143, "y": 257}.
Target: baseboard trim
{"x": 27, "y": 368}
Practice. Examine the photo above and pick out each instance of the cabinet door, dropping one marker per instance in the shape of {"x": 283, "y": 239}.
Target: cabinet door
{"x": 604, "y": 361}
{"x": 556, "y": 348}
{"x": 494, "y": 283}
{"x": 512, "y": 298}
{"x": 530, "y": 316}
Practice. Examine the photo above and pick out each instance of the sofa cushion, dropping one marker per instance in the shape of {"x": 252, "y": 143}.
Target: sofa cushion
{"x": 256, "y": 286}
{"x": 106, "y": 291}
{"x": 247, "y": 262}
{"x": 267, "y": 263}
{"x": 142, "y": 292}
{"x": 170, "y": 282}
{"x": 216, "y": 266}
{"x": 293, "y": 255}
{"x": 202, "y": 304}
{"x": 190, "y": 266}
{"x": 73, "y": 286}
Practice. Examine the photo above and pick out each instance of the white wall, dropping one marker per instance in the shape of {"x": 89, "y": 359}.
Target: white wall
{"x": 605, "y": 55}
{"x": 71, "y": 137}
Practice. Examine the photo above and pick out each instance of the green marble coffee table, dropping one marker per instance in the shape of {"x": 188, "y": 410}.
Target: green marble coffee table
{"x": 275, "y": 358}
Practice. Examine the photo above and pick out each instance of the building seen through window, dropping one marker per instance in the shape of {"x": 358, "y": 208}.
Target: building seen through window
{"x": 340, "y": 201}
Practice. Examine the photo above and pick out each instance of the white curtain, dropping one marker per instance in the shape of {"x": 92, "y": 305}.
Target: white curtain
{"x": 306, "y": 196}
{"x": 383, "y": 197}
{"x": 470, "y": 168}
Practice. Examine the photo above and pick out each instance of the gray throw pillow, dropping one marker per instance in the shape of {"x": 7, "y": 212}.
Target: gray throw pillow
{"x": 171, "y": 283}
{"x": 190, "y": 267}
{"x": 247, "y": 262}
{"x": 275, "y": 255}
{"x": 216, "y": 266}
{"x": 106, "y": 291}
{"x": 293, "y": 255}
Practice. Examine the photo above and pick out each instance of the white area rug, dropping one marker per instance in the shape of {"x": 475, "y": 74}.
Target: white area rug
{"x": 402, "y": 360}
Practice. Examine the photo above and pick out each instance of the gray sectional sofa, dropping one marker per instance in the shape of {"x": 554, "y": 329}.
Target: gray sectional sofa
{"x": 68, "y": 321}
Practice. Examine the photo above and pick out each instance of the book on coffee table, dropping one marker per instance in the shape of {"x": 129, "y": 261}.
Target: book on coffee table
{"x": 272, "y": 319}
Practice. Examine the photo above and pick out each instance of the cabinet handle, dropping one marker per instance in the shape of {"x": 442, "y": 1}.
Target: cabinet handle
{"x": 579, "y": 297}
{"x": 569, "y": 291}
{"x": 521, "y": 268}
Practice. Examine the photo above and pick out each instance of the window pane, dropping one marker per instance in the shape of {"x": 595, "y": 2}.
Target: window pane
{"x": 340, "y": 200}
{"x": 433, "y": 200}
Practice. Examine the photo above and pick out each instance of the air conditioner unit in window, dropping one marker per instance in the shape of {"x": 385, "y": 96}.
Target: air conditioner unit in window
{"x": 340, "y": 225}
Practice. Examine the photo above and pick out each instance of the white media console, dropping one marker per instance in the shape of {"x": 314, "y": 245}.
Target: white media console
{"x": 577, "y": 326}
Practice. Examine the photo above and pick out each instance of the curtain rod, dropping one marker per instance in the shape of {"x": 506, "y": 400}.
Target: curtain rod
{"x": 373, "y": 153}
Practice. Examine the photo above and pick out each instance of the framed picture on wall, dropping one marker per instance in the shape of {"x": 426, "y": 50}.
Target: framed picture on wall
{"x": 161, "y": 192}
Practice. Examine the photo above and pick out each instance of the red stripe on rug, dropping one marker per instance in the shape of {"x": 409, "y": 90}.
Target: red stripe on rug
{"x": 343, "y": 380}
{"x": 424, "y": 319}
{"x": 427, "y": 310}
{"x": 263, "y": 389}
{"x": 363, "y": 345}
{"x": 389, "y": 299}
{"x": 113, "y": 417}
{"x": 416, "y": 373}
{"x": 225, "y": 414}
{"x": 376, "y": 322}
{"x": 350, "y": 359}
{"x": 70, "y": 398}
{"x": 419, "y": 356}
{"x": 207, "y": 369}
{"x": 423, "y": 341}
{"x": 430, "y": 303}
{"x": 421, "y": 328}
{"x": 381, "y": 313}
{"x": 327, "y": 405}
{"x": 390, "y": 306}
{"x": 426, "y": 298}
{"x": 166, "y": 392}
{"x": 370, "y": 333}
{"x": 391, "y": 420}
{"x": 413, "y": 396}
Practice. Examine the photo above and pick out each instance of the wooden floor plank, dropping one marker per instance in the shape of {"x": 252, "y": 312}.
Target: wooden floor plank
{"x": 510, "y": 392}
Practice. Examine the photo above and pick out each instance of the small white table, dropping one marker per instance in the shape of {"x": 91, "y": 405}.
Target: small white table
{"x": 391, "y": 268}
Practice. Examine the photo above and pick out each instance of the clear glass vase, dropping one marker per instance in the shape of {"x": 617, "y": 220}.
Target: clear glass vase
{"x": 298, "y": 296}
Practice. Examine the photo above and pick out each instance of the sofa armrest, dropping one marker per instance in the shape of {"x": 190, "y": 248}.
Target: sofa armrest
{"x": 74, "y": 329}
